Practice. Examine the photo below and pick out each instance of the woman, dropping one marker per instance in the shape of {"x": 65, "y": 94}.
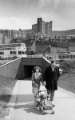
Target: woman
{"x": 36, "y": 80}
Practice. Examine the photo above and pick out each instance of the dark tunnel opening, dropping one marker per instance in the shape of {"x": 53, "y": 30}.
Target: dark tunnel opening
{"x": 28, "y": 71}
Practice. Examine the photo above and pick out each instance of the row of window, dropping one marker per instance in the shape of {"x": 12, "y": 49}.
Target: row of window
{"x": 13, "y": 52}
{"x": 19, "y": 52}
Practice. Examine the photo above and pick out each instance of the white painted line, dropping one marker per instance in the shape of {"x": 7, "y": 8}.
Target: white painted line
{"x": 9, "y": 62}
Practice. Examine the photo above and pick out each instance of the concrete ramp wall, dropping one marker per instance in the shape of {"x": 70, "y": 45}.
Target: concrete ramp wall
{"x": 9, "y": 70}
{"x": 21, "y": 68}
{"x": 33, "y": 61}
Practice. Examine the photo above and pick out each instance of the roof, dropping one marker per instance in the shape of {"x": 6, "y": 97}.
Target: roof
{"x": 10, "y": 46}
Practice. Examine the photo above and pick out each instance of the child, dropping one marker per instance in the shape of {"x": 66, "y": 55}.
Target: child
{"x": 36, "y": 80}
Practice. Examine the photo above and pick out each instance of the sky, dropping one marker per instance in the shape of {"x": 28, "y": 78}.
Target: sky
{"x": 21, "y": 14}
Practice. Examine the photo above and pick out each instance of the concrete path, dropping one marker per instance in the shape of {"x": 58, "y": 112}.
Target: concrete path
{"x": 23, "y": 101}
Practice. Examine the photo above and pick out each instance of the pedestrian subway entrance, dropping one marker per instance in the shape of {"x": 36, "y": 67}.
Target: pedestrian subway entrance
{"x": 28, "y": 71}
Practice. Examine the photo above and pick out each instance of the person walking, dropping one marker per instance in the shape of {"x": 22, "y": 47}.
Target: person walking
{"x": 51, "y": 77}
{"x": 36, "y": 81}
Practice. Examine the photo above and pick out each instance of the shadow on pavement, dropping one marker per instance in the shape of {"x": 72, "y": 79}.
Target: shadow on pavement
{"x": 4, "y": 111}
{"x": 15, "y": 101}
{"x": 19, "y": 99}
{"x": 24, "y": 102}
{"x": 29, "y": 108}
{"x": 5, "y": 98}
{"x": 16, "y": 98}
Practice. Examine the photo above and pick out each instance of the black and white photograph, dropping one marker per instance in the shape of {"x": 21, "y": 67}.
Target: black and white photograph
{"x": 37, "y": 59}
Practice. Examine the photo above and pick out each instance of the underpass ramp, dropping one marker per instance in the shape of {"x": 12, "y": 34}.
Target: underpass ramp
{"x": 22, "y": 67}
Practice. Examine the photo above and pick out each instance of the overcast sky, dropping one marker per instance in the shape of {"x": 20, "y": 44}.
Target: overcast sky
{"x": 15, "y": 14}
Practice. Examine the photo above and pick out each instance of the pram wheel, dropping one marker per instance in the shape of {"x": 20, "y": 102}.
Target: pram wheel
{"x": 39, "y": 108}
{"x": 52, "y": 112}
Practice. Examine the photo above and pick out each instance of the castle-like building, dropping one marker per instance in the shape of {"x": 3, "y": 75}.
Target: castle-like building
{"x": 42, "y": 27}
{"x": 45, "y": 28}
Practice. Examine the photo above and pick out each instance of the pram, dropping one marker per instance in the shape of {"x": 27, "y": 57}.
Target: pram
{"x": 42, "y": 103}
{"x": 42, "y": 100}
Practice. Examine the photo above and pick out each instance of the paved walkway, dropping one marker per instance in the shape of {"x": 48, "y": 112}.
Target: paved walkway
{"x": 23, "y": 101}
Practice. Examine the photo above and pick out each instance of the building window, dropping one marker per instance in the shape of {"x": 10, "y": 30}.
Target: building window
{"x": 23, "y": 52}
{"x": 19, "y": 52}
{"x": 12, "y": 52}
